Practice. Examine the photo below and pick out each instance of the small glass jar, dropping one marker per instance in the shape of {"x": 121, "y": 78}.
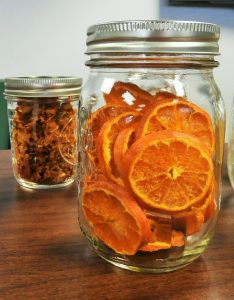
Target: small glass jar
{"x": 151, "y": 141}
{"x": 43, "y": 114}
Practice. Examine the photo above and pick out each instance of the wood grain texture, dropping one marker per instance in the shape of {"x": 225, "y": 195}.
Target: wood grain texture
{"x": 43, "y": 254}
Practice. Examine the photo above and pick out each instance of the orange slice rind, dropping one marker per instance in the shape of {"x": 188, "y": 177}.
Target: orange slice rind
{"x": 122, "y": 143}
{"x": 139, "y": 99}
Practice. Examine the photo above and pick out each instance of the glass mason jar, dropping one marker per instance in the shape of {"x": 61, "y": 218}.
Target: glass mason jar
{"x": 43, "y": 113}
{"x": 230, "y": 151}
{"x": 151, "y": 138}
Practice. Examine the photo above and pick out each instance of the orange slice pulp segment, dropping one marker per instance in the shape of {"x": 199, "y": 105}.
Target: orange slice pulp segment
{"x": 179, "y": 115}
{"x": 115, "y": 217}
{"x": 168, "y": 170}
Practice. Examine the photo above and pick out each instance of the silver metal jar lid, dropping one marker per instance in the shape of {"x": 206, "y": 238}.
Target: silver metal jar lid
{"x": 42, "y": 86}
{"x": 153, "y": 36}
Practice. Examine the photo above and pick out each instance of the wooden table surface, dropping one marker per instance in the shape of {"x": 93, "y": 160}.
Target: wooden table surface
{"x": 43, "y": 254}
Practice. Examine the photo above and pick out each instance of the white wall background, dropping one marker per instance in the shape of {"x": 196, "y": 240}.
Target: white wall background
{"x": 47, "y": 37}
{"x": 225, "y": 18}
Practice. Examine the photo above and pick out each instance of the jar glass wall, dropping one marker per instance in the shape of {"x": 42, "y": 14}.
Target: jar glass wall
{"x": 150, "y": 146}
{"x": 230, "y": 152}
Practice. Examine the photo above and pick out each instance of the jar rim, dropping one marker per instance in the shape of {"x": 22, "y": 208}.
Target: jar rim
{"x": 153, "y": 36}
{"x": 42, "y": 86}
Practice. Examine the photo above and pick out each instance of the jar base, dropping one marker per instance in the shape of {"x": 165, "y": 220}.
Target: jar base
{"x": 156, "y": 262}
{"x": 33, "y": 185}
{"x": 161, "y": 261}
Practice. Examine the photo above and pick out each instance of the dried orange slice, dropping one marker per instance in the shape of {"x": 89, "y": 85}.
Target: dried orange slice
{"x": 122, "y": 143}
{"x": 191, "y": 221}
{"x": 168, "y": 170}
{"x": 91, "y": 170}
{"x": 106, "y": 139}
{"x": 209, "y": 207}
{"x": 210, "y": 211}
{"x": 162, "y": 236}
{"x": 120, "y": 92}
{"x": 177, "y": 238}
{"x": 181, "y": 116}
{"x": 101, "y": 115}
{"x": 115, "y": 217}
{"x": 165, "y": 96}
{"x": 97, "y": 119}
{"x": 199, "y": 206}
{"x": 190, "y": 224}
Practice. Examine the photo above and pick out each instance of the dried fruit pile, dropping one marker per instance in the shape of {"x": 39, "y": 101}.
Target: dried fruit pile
{"x": 154, "y": 182}
{"x": 44, "y": 140}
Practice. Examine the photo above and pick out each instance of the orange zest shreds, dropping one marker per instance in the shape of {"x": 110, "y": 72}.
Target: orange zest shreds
{"x": 138, "y": 100}
{"x": 106, "y": 140}
{"x": 122, "y": 143}
{"x": 168, "y": 170}
{"x": 44, "y": 140}
{"x": 68, "y": 142}
{"x": 115, "y": 217}
{"x": 181, "y": 116}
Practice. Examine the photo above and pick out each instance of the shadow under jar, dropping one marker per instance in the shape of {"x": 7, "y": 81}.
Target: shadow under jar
{"x": 151, "y": 140}
{"x": 43, "y": 114}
